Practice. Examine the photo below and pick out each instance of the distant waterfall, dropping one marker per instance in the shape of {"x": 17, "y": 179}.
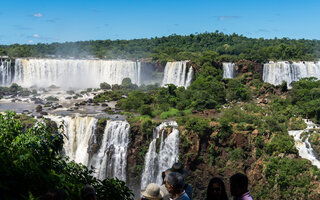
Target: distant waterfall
{"x": 178, "y": 73}
{"x": 228, "y": 70}
{"x": 158, "y": 161}
{"x": 304, "y": 148}
{"x": 111, "y": 159}
{"x": 74, "y": 73}
{"x": 277, "y": 72}
{"x": 5, "y": 72}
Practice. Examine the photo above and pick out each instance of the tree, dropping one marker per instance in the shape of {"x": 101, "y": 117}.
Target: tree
{"x": 105, "y": 86}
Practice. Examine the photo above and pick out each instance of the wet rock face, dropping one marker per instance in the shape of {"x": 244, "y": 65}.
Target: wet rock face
{"x": 197, "y": 153}
{"x": 245, "y": 66}
{"x": 137, "y": 145}
{"x": 96, "y": 139}
{"x": 240, "y": 141}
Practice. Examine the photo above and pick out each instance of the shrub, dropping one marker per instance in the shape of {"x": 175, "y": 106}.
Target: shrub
{"x": 105, "y": 86}
{"x": 281, "y": 143}
{"x": 145, "y": 110}
{"x": 237, "y": 154}
{"x": 51, "y": 98}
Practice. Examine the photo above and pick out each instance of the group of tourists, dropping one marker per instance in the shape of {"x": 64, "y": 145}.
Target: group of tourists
{"x": 174, "y": 187}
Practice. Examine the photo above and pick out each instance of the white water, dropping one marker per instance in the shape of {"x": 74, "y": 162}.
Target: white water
{"x": 5, "y": 72}
{"x": 74, "y": 73}
{"x": 78, "y": 131}
{"x": 228, "y": 70}
{"x": 304, "y": 148}
{"x": 177, "y": 73}
{"x": 277, "y": 72}
{"x": 111, "y": 159}
{"x": 157, "y": 162}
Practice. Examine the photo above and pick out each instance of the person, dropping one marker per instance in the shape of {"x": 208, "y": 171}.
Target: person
{"x": 178, "y": 167}
{"x": 175, "y": 185}
{"x": 216, "y": 190}
{"x": 152, "y": 192}
{"x": 165, "y": 194}
{"x": 239, "y": 187}
{"x": 54, "y": 194}
{"x": 88, "y": 193}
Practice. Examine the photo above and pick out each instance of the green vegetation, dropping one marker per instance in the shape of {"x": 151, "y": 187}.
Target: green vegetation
{"x": 176, "y": 47}
{"x": 105, "y": 86}
{"x": 51, "y": 98}
{"x": 31, "y": 165}
{"x": 14, "y": 90}
{"x": 108, "y": 96}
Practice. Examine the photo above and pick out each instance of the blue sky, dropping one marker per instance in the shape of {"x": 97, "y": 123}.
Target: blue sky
{"x": 44, "y": 21}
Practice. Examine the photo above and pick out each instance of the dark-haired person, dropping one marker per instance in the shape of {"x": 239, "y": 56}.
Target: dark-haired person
{"x": 55, "y": 194}
{"x": 174, "y": 185}
{"x": 216, "y": 190}
{"x": 88, "y": 193}
{"x": 178, "y": 167}
{"x": 239, "y": 187}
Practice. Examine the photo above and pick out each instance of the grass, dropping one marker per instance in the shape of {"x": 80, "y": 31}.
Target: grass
{"x": 170, "y": 113}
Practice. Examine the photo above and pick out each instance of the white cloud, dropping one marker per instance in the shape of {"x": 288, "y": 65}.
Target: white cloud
{"x": 222, "y": 18}
{"x": 36, "y": 36}
{"x": 30, "y": 41}
{"x": 37, "y": 15}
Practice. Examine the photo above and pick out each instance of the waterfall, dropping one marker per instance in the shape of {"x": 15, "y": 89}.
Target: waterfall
{"x": 5, "y": 72}
{"x": 228, "y": 70}
{"x": 304, "y": 148}
{"x": 74, "y": 73}
{"x": 177, "y": 73}
{"x": 111, "y": 159}
{"x": 78, "y": 131}
{"x": 277, "y": 72}
{"x": 168, "y": 154}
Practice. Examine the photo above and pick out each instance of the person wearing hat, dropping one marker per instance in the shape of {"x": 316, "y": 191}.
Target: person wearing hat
{"x": 152, "y": 192}
{"x": 178, "y": 167}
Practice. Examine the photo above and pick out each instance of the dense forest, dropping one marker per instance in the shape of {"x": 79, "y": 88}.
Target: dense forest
{"x": 176, "y": 47}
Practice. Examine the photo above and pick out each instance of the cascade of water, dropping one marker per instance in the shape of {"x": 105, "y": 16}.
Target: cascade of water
{"x": 5, "y": 72}
{"x": 228, "y": 70}
{"x": 78, "y": 131}
{"x": 74, "y": 73}
{"x": 156, "y": 163}
{"x": 178, "y": 74}
{"x": 111, "y": 159}
{"x": 277, "y": 72}
{"x": 304, "y": 148}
